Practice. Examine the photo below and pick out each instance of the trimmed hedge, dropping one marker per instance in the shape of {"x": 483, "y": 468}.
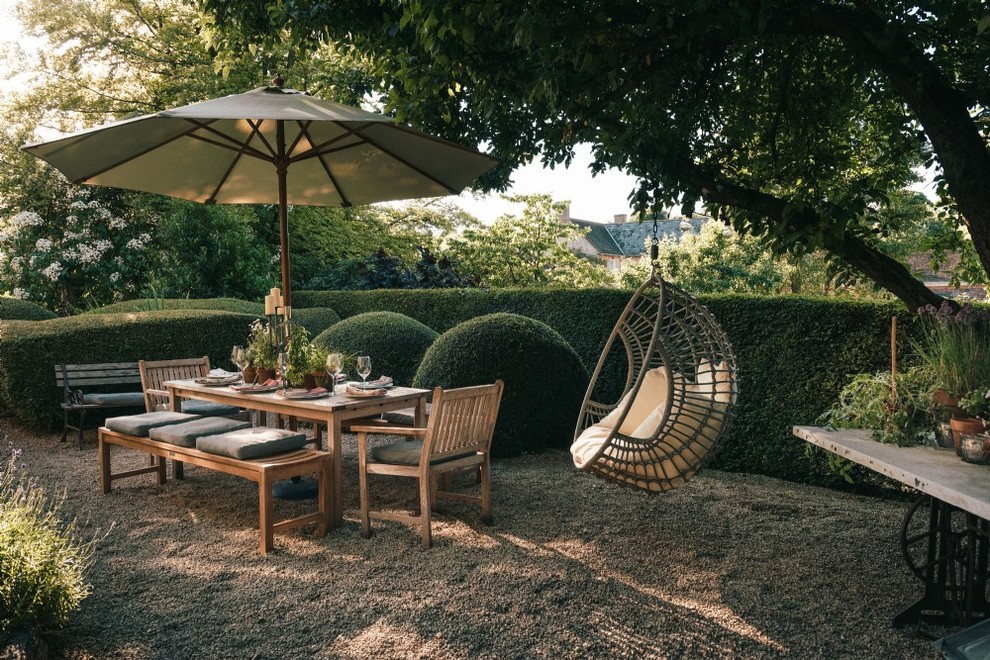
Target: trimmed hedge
{"x": 29, "y": 351}
{"x": 544, "y": 377}
{"x": 395, "y": 342}
{"x": 315, "y": 319}
{"x": 15, "y": 309}
{"x": 794, "y": 353}
{"x": 172, "y": 304}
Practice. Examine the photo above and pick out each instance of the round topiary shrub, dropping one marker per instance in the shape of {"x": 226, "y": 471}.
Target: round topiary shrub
{"x": 395, "y": 342}
{"x": 315, "y": 319}
{"x": 544, "y": 378}
{"x": 15, "y": 309}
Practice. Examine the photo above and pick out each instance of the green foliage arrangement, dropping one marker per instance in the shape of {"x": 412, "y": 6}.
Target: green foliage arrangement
{"x": 395, "y": 342}
{"x": 901, "y": 415}
{"x": 297, "y": 354}
{"x": 43, "y": 560}
{"x": 260, "y": 348}
{"x": 30, "y": 350}
{"x": 215, "y": 304}
{"x": 15, "y": 309}
{"x": 315, "y": 319}
{"x": 544, "y": 378}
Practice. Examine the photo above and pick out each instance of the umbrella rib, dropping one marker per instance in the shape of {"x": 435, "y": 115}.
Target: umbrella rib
{"x": 229, "y": 143}
{"x": 420, "y": 171}
{"x": 319, "y": 149}
{"x": 304, "y": 130}
{"x": 131, "y": 157}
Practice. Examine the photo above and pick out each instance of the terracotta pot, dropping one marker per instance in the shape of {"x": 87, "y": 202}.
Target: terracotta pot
{"x": 265, "y": 374}
{"x": 967, "y": 425}
{"x": 249, "y": 374}
{"x": 945, "y": 400}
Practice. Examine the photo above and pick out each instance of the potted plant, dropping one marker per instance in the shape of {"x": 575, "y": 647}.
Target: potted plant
{"x": 317, "y": 365}
{"x": 261, "y": 351}
{"x": 297, "y": 357}
{"x": 953, "y": 347}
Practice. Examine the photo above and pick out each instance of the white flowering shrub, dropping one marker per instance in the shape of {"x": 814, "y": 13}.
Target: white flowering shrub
{"x": 89, "y": 249}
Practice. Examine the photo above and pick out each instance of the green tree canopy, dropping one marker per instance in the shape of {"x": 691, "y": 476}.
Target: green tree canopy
{"x": 791, "y": 119}
{"x": 530, "y": 250}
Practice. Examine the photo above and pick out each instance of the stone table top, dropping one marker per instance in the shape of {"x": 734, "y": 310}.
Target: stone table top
{"x": 936, "y": 472}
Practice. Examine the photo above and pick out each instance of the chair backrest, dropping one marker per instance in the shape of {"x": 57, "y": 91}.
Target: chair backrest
{"x": 155, "y": 373}
{"x": 462, "y": 420}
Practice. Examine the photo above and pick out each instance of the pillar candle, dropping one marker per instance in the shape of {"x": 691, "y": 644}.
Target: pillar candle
{"x": 269, "y": 305}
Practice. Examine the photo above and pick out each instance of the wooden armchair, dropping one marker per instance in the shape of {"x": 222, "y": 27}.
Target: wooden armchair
{"x": 457, "y": 436}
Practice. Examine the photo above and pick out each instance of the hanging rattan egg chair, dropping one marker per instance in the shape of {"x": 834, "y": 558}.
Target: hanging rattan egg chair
{"x": 679, "y": 397}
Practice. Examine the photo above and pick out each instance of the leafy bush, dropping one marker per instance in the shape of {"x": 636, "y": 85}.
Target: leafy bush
{"x": 30, "y": 350}
{"x": 395, "y": 342}
{"x": 22, "y": 310}
{"x": 315, "y": 319}
{"x": 162, "y": 304}
{"x": 42, "y": 560}
{"x": 544, "y": 378}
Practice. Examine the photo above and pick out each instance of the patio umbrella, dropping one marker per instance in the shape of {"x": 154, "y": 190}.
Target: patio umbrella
{"x": 268, "y": 146}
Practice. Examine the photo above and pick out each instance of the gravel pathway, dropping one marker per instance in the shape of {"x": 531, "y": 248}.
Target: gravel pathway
{"x": 730, "y": 566}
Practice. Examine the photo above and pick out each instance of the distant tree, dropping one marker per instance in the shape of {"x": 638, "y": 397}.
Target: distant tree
{"x": 527, "y": 251}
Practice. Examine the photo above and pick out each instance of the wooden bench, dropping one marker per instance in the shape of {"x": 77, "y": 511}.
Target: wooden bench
{"x": 263, "y": 471}
{"x": 70, "y": 377}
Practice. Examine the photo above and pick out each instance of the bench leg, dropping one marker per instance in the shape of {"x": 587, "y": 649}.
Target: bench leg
{"x": 162, "y": 476}
{"x": 266, "y": 503}
{"x": 82, "y": 424}
{"x": 65, "y": 424}
{"x": 104, "y": 448}
{"x": 323, "y": 494}
{"x": 177, "y": 470}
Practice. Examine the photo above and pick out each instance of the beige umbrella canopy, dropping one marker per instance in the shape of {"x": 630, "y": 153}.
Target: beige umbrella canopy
{"x": 268, "y": 146}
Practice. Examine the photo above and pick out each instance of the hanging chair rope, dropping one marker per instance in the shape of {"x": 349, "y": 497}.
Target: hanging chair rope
{"x": 679, "y": 396}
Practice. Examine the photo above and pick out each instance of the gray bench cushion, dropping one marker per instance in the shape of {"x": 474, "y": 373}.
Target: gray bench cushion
{"x": 208, "y": 409}
{"x": 251, "y": 443}
{"x": 406, "y": 452}
{"x": 185, "y": 435}
{"x": 115, "y": 398}
{"x": 140, "y": 425}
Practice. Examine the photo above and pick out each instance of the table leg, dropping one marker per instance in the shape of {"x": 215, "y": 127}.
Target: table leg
{"x": 334, "y": 446}
{"x": 951, "y": 558}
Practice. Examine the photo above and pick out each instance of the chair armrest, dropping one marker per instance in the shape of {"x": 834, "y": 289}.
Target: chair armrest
{"x": 389, "y": 430}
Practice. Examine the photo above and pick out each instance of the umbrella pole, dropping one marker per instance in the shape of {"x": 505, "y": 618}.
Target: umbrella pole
{"x": 282, "y": 167}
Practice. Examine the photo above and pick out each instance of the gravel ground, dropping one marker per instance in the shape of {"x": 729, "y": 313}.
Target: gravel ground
{"x": 730, "y": 566}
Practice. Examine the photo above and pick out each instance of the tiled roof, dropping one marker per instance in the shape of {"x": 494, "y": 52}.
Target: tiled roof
{"x": 628, "y": 239}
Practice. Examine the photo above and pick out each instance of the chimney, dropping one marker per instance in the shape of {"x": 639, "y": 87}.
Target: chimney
{"x": 619, "y": 218}
{"x": 565, "y": 213}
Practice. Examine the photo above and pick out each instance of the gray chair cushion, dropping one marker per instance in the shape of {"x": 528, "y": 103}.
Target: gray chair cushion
{"x": 116, "y": 398}
{"x": 140, "y": 425}
{"x": 208, "y": 409}
{"x": 251, "y": 443}
{"x": 405, "y": 453}
{"x": 185, "y": 435}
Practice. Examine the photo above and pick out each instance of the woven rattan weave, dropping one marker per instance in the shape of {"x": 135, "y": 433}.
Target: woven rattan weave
{"x": 662, "y": 326}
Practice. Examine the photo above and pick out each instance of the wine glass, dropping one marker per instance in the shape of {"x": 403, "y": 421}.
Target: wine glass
{"x": 335, "y": 364}
{"x": 283, "y": 366}
{"x": 239, "y": 357}
{"x": 363, "y": 367}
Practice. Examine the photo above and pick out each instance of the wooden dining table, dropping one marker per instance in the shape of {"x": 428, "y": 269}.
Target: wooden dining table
{"x": 329, "y": 410}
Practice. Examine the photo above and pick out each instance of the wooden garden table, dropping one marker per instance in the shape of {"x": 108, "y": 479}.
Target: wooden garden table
{"x": 951, "y": 554}
{"x": 331, "y": 410}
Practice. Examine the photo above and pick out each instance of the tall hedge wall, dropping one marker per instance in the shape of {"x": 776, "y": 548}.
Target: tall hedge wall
{"x": 794, "y": 353}
{"x": 30, "y": 349}
{"x": 171, "y": 304}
